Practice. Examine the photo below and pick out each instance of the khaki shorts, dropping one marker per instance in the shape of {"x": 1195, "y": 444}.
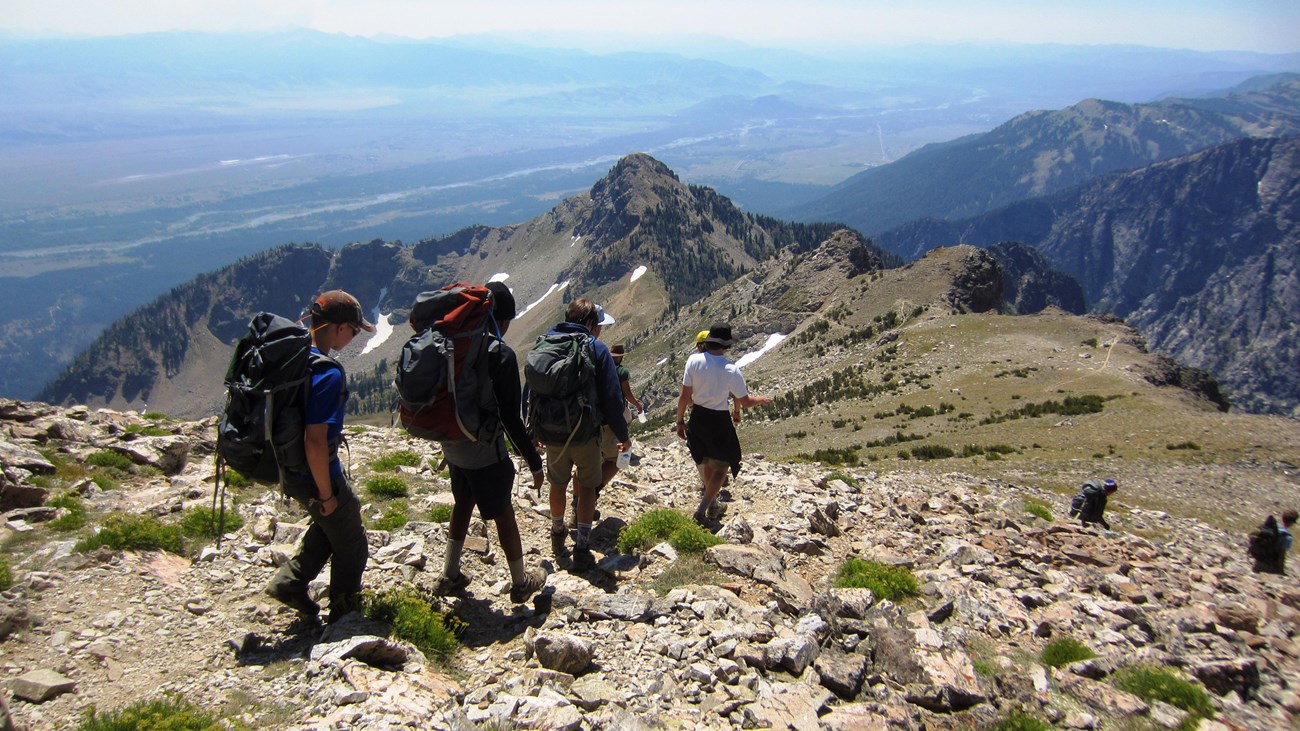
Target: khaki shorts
{"x": 585, "y": 456}
{"x": 608, "y": 444}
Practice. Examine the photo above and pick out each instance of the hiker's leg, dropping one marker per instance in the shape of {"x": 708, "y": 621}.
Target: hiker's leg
{"x": 462, "y": 510}
{"x": 713, "y": 474}
{"x": 559, "y": 466}
{"x": 350, "y": 551}
{"x": 587, "y": 459}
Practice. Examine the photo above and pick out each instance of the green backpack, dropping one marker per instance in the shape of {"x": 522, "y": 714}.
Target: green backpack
{"x": 560, "y": 372}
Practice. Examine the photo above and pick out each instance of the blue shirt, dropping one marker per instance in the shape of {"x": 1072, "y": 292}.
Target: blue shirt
{"x": 326, "y": 404}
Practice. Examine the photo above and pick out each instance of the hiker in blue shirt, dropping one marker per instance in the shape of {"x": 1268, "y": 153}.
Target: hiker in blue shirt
{"x": 583, "y": 462}
{"x": 336, "y": 533}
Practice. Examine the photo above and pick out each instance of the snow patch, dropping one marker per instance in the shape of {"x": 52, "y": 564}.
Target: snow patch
{"x": 383, "y": 328}
{"x": 554, "y": 287}
{"x": 636, "y": 273}
{"x": 773, "y": 340}
{"x": 574, "y": 241}
{"x": 499, "y": 277}
{"x": 661, "y": 361}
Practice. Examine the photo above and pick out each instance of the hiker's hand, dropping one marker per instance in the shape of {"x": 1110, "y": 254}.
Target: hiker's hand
{"x": 624, "y": 446}
{"x": 681, "y": 429}
{"x": 329, "y": 505}
{"x": 735, "y": 417}
{"x": 537, "y": 481}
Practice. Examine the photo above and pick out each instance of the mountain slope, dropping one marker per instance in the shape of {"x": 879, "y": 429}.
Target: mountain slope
{"x": 1043, "y": 152}
{"x": 171, "y": 354}
{"x": 1201, "y": 254}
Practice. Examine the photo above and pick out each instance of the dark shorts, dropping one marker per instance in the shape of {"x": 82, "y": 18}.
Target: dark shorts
{"x": 488, "y": 487}
{"x": 711, "y": 438}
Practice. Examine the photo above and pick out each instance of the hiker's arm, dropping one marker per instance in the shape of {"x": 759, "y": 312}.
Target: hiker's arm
{"x": 683, "y": 403}
{"x": 316, "y": 443}
{"x": 629, "y": 396}
{"x": 505, "y": 383}
{"x": 611, "y": 396}
{"x": 751, "y": 401}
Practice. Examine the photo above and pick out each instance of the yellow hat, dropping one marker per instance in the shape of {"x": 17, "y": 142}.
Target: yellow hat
{"x": 700, "y": 336}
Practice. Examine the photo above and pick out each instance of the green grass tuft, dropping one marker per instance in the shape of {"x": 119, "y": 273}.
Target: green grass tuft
{"x": 388, "y": 486}
{"x": 1038, "y": 510}
{"x": 886, "y": 582}
{"x": 105, "y": 458}
{"x": 414, "y": 619}
{"x": 147, "y": 430}
{"x": 396, "y": 515}
{"x": 104, "y": 481}
{"x": 392, "y": 460}
{"x": 234, "y": 479}
{"x": 687, "y": 569}
{"x": 1158, "y": 684}
{"x": 167, "y": 714}
{"x": 6, "y": 576}
{"x": 129, "y": 532}
{"x": 657, "y": 525}
{"x": 440, "y": 513}
{"x": 1065, "y": 651}
{"x": 844, "y": 477}
{"x": 202, "y": 522}
{"x": 1021, "y": 721}
{"x": 74, "y": 518}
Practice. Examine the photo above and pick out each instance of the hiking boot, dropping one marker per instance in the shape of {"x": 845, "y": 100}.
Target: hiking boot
{"x": 701, "y": 518}
{"x": 715, "y": 510}
{"x": 583, "y": 559}
{"x": 343, "y": 605}
{"x": 295, "y": 597}
{"x": 445, "y": 586}
{"x": 558, "y": 548}
{"x": 534, "y": 580}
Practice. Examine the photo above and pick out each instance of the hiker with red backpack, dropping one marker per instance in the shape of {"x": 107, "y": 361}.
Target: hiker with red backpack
{"x": 459, "y": 385}
{"x": 336, "y": 533}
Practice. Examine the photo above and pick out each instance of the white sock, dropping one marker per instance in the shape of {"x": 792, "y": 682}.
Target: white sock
{"x": 451, "y": 562}
{"x": 517, "y": 573}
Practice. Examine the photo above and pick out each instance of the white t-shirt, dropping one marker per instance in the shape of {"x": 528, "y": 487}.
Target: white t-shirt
{"x": 712, "y": 379}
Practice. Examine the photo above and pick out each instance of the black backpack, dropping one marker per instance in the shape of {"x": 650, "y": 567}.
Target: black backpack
{"x": 1080, "y": 502}
{"x": 444, "y": 387}
{"x": 1266, "y": 542}
{"x": 561, "y": 374}
{"x": 268, "y": 382}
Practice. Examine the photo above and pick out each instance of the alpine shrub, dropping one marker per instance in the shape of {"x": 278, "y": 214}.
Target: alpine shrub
{"x": 105, "y": 458}
{"x": 1038, "y": 510}
{"x": 74, "y": 516}
{"x": 130, "y": 532}
{"x": 396, "y": 515}
{"x": 1065, "y": 651}
{"x": 202, "y": 522}
{"x": 886, "y": 582}
{"x": 657, "y": 525}
{"x": 167, "y": 714}
{"x": 391, "y": 461}
{"x": 414, "y": 619}
{"x": 388, "y": 486}
{"x": 440, "y": 513}
{"x": 1158, "y": 684}
{"x": 6, "y": 577}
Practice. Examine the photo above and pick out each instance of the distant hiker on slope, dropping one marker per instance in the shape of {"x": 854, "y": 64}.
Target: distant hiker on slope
{"x": 625, "y": 382}
{"x": 336, "y": 533}
{"x": 708, "y": 381}
{"x": 1271, "y": 542}
{"x": 572, "y": 392}
{"x": 1089, "y": 506}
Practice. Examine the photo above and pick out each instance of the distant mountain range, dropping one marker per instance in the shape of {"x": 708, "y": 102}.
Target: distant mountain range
{"x": 1044, "y": 152}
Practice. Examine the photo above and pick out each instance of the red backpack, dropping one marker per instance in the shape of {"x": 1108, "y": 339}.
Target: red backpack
{"x": 443, "y": 385}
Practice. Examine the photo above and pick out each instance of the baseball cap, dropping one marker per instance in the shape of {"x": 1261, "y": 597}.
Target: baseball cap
{"x": 602, "y": 317}
{"x": 503, "y": 302}
{"x": 700, "y": 336}
{"x": 340, "y": 308}
{"x": 1110, "y": 485}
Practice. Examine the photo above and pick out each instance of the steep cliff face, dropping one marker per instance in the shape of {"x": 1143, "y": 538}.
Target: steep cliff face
{"x": 1199, "y": 253}
{"x": 1030, "y": 284}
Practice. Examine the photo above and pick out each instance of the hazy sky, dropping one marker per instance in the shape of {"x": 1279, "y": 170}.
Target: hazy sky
{"x": 1255, "y": 25}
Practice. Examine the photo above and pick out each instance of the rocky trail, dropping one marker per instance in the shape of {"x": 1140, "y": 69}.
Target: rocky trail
{"x": 751, "y": 636}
